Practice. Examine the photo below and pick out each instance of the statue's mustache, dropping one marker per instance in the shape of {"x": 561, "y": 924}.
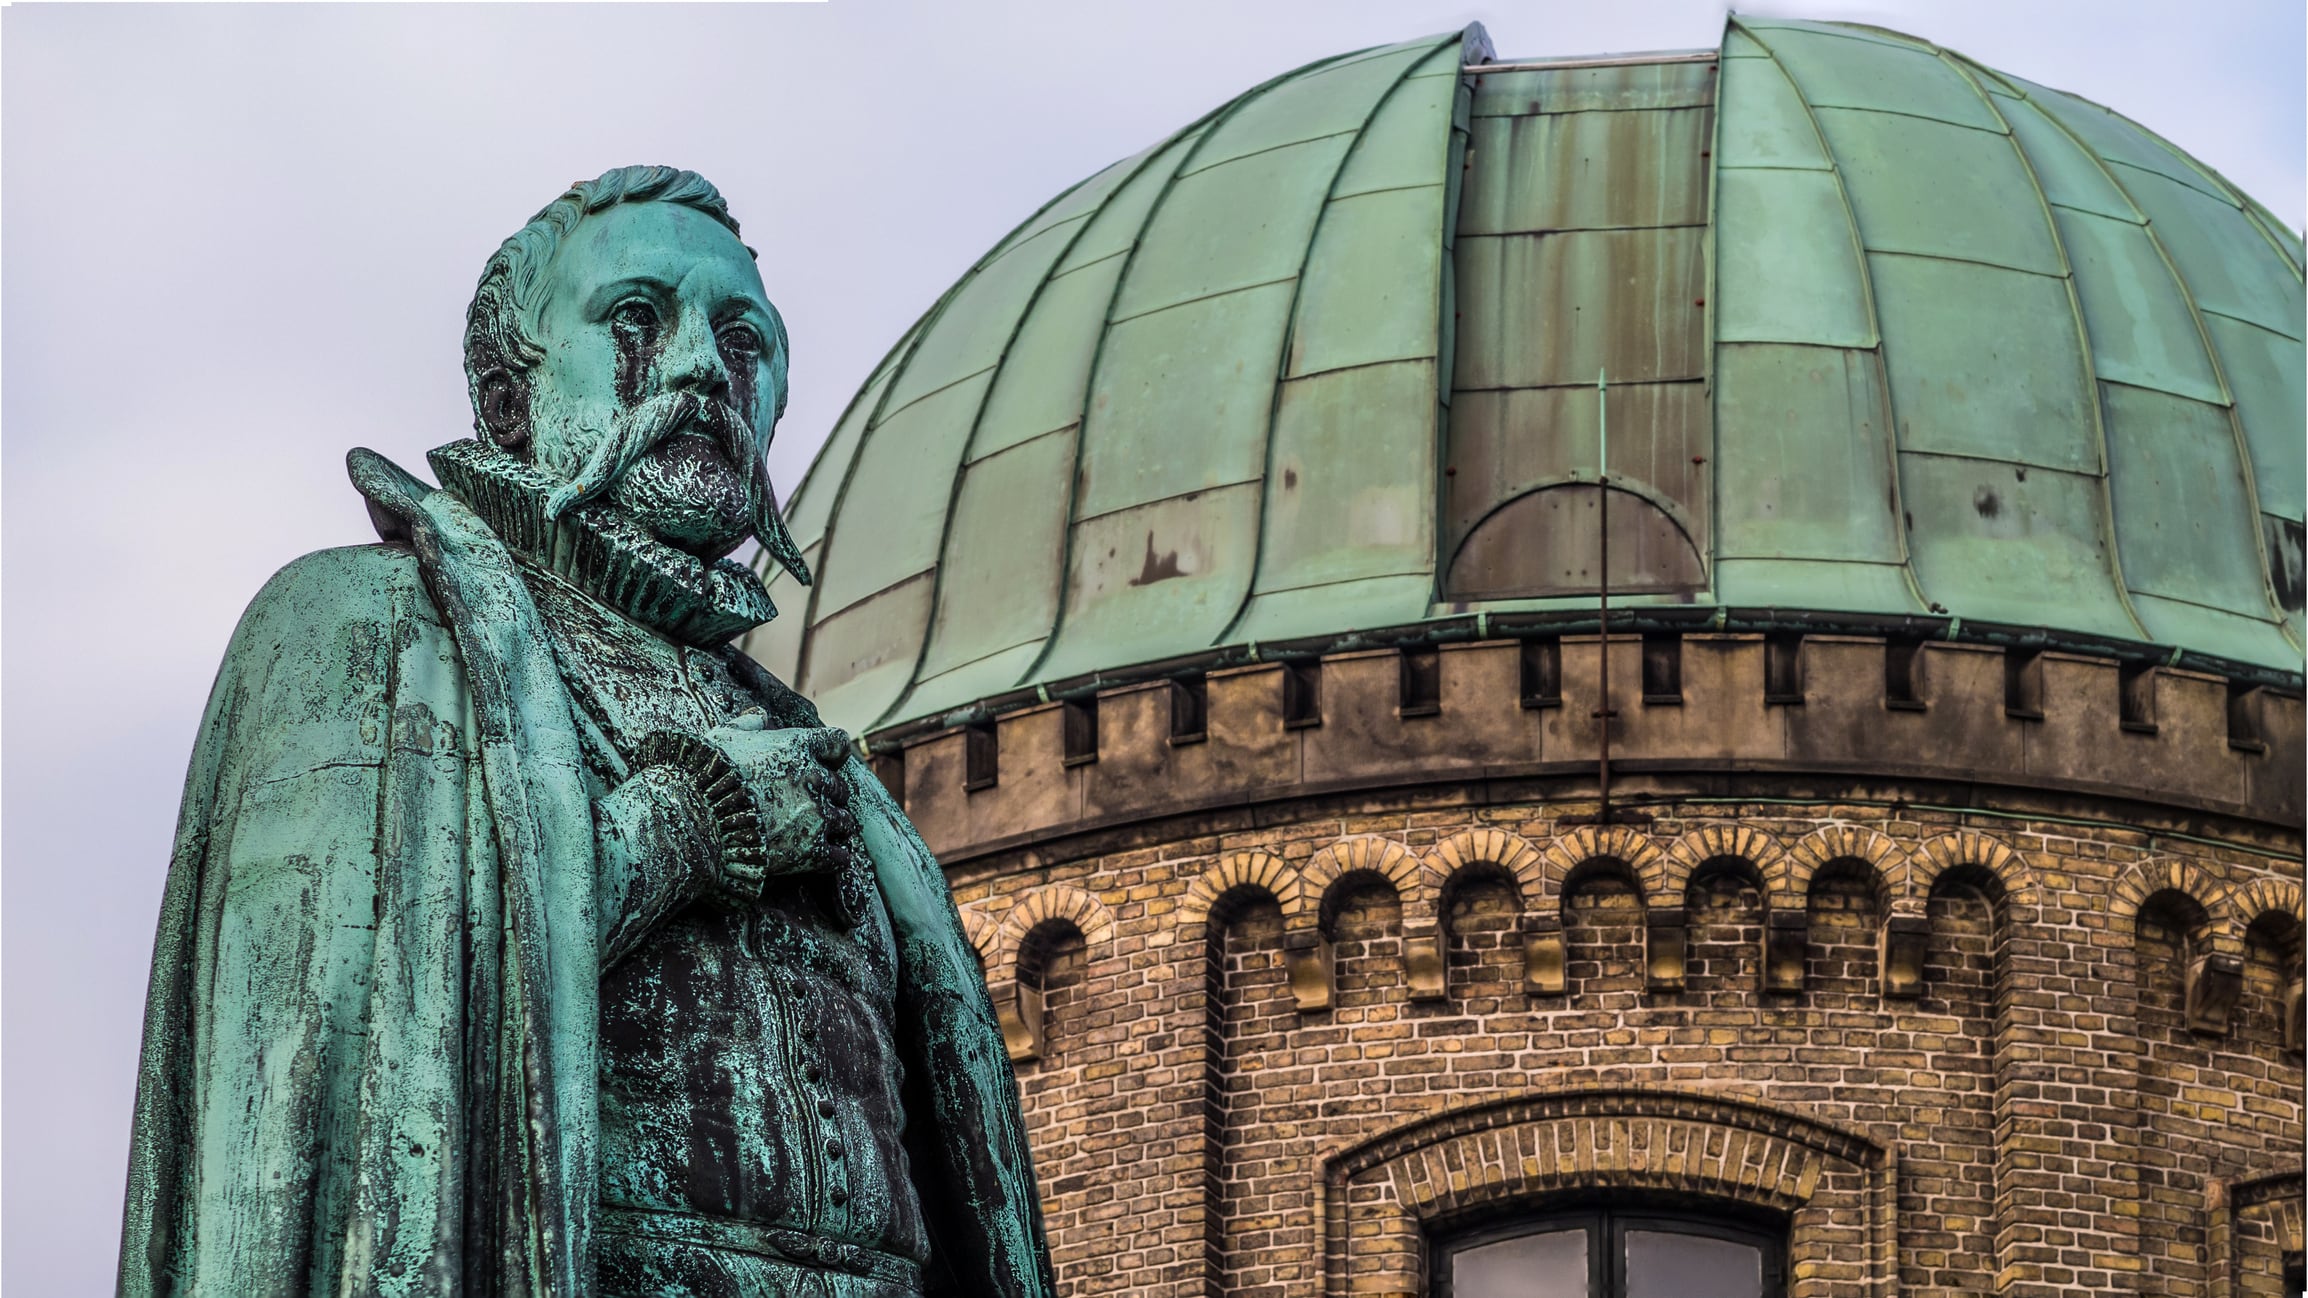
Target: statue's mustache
{"x": 635, "y": 433}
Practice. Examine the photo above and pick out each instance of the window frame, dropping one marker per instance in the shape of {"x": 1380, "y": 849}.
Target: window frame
{"x": 1607, "y": 1224}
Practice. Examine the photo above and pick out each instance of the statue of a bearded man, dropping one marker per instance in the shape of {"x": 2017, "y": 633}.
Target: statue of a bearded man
{"x": 523, "y": 937}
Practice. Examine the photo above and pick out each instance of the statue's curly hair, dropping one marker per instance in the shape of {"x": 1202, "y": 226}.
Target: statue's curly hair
{"x": 499, "y": 323}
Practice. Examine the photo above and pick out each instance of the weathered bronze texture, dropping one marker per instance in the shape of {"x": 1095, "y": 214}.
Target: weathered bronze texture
{"x": 522, "y": 936}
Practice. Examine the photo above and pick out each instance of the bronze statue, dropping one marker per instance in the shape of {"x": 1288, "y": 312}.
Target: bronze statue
{"x": 522, "y": 937}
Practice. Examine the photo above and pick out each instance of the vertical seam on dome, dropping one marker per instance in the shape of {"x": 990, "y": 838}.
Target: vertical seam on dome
{"x": 2211, "y": 352}
{"x": 2083, "y": 336}
{"x": 1707, "y": 319}
{"x": 985, "y": 399}
{"x": 1210, "y": 124}
{"x": 908, "y": 345}
{"x": 1290, "y": 320}
{"x": 1889, "y": 409}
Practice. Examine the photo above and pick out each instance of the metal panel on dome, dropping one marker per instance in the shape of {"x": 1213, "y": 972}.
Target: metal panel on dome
{"x": 1324, "y": 102}
{"x": 1178, "y": 262}
{"x": 1174, "y": 407}
{"x": 2070, "y": 177}
{"x": 910, "y": 461}
{"x": 1046, "y": 370}
{"x": 1838, "y": 67}
{"x": 1007, "y": 504}
{"x": 2118, "y": 142}
{"x": 1936, "y": 190}
{"x": 2229, "y": 265}
{"x": 1154, "y": 581}
{"x": 2265, "y": 375}
{"x": 1373, "y": 283}
{"x": 1580, "y": 252}
{"x": 1183, "y": 405}
{"x": 993, "y": 297}
{"x": 1985, "y": 362}
{"x": 1352, "y": 488}
{"x": 1762, "y": 121}
{"x": 2142, "y": 330}
{"x": 1789, "y": 269}
{"x": 2002, "y": 542}
{"x": 1803, "y": 458}
{"x": 2184, "y": 526}
{"x": 1348, "y": 504}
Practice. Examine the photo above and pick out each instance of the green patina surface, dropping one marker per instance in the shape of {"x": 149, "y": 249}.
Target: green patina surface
{"x": 522, "y": 937}
{"x": 1890, "y": 336}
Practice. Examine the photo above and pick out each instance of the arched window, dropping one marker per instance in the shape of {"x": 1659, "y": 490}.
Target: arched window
{"x": 1613, "y": 1252}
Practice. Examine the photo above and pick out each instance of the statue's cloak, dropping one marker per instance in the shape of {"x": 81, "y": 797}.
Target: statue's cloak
{"x": 369, "y": 1060}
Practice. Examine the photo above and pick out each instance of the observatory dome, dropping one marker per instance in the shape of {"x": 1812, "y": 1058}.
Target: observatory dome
{"x": 1884, "y": 342}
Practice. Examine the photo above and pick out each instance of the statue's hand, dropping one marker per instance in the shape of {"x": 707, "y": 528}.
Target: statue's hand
{"x": 775, "y": 805}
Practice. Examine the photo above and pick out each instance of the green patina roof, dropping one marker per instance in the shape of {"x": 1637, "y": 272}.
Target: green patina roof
{"x": 1887, "y": 334}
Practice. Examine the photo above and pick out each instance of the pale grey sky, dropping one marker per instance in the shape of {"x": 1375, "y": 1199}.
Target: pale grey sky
{"x": 238, "y": 240}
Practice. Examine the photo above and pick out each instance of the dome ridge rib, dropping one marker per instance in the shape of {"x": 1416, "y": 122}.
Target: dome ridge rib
{"x": 2110, "y": 529}
{"x": 2211, "y": 349}
{"x": 977, "y": 418}
{"x": 1906, "y": 563}
{"x": 1216, "y": 120}
{"x": 1361, "y": 131}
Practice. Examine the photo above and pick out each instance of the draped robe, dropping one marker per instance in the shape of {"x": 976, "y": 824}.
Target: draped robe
{"x": 370, "y": 1044}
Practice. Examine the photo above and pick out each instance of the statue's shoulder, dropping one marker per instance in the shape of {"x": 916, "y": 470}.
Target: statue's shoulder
{"x": 348, "y": 583}
{"x": 331, "y": 608}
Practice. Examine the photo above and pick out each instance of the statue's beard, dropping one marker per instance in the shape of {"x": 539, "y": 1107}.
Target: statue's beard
{"x": 674, "y": 463}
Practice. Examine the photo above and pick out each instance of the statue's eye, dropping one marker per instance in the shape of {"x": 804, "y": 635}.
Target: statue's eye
{"x": 634, "y": 317}
{"x": 741, "y": 340}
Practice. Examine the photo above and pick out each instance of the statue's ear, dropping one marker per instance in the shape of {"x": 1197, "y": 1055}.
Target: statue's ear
{"x": 505, "y": 408}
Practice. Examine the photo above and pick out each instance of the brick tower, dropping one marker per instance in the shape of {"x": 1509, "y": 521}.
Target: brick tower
{"x": 1218, "y": 573}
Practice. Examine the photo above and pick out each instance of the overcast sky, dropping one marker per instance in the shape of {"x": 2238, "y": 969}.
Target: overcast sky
{"x": 236, "y": 241}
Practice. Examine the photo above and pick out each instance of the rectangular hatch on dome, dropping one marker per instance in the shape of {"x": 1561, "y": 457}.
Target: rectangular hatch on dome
{"x": 1581, "y": 247}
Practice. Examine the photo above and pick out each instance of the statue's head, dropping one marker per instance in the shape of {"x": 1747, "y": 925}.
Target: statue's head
{"x": 621, "y": 342}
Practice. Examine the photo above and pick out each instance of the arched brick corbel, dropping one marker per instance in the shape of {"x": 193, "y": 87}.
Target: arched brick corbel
{"x": 1663, "y": 927}
{"x": 1542, "y": 929}
{"x": 1337, "y": 866}
{"x": 1976, "y": 850}
{"x": 1787, "y": 898}
{"x": 1907, "y": 927}
{"x": 1667, "y": 923}
{"x": 1445, "y": 866}
{"x": 1306, "y": 953}
{"x": 2215, "y": 969}
{"x": 2257, "y": 903}
{"x": 1018, "y": 1001}
{"x": 982, "y": 930}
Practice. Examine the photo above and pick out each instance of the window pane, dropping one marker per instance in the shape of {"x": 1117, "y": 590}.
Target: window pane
{"x": 1552, "y": 1265}
{"x": 1660, "y": 1265}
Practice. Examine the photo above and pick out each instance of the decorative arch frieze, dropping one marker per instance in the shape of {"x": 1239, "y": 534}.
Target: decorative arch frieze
{"x": 1306, "y": 953}
{"x": 1628, "y": 846}
{"x": 1512, "y": 854}
{"x": 2145, "y": 879}
{"x": 1381, "y": 1197}
{"x": 983, "y": 931}
{"x": 2214, "y": 972}
{"x": 2262, "y": 898}
{"x": 1247, "y": 871}
{"x": 1693, "y": 850}
{"x": 1968, "y": 848}
{"x": 1057, "y": 905}
{"x": 1368, "y": 856}
{"x": 1790, "y": 887}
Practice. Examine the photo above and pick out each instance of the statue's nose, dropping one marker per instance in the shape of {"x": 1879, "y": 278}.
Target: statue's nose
{"x": 693, "y": 361}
